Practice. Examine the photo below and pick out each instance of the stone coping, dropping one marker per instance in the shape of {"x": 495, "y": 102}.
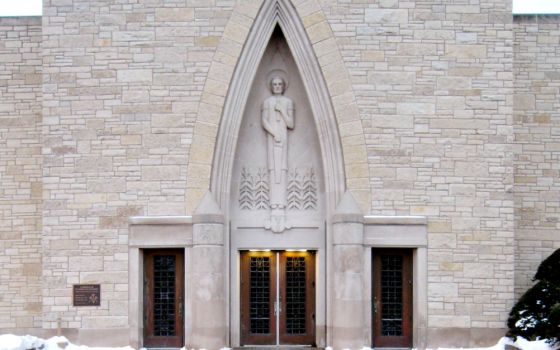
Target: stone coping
{"x": 188, "y": 220}
{"x": 536, "y": 18}
{"x": 20, "y": 20}
{"x": 160, "y": 220}
{"x": 395, "y": 220}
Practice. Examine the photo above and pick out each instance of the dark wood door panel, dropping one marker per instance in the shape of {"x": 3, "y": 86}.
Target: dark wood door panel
{"x": 277, "y": 298}
{"x": 163, "y": 298}
{"x": 258, "y": 294}
{"x": 297, "y": 298}
{"x": 392, "y": 297}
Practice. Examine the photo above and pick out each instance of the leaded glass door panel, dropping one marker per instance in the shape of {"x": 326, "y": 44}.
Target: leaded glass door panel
{"x": 277, "y": 298}
{"x": 297, "y": 298}
{"x": 392, "y": 298}
{"x": 163, "y": 298}
{"x": 258, "y": 290}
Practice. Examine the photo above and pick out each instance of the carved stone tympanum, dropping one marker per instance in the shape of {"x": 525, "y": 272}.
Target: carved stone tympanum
{"x": 277, "y": 182}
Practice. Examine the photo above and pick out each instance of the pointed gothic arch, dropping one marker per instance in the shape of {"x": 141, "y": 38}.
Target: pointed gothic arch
{"x": 231, "y": 73}
{"x": 283, "y": 14}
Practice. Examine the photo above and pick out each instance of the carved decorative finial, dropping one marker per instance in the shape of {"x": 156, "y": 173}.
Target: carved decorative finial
{"x": 208, "y": 211}
{"x": 348, "y": 210}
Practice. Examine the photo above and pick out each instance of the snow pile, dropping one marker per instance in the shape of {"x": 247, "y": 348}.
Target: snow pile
{"x": 14, "y": 342}
{"x": 28, "y": 342}
{"x": 520, "y": 343}
{"x": 531, "y": 345}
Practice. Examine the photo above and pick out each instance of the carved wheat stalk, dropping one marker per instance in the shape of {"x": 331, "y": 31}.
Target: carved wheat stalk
{"x": 246, "y": 190}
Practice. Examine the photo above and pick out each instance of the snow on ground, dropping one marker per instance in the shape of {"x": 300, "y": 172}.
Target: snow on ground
{"x": 520, "y": 343}
{"x": 28, "y": 342}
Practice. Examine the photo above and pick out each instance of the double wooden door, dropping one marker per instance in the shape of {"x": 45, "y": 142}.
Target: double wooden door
{"x": 392, "y": 298}
{"x": 163, "y": 298}
{"x": 277, "y": 298}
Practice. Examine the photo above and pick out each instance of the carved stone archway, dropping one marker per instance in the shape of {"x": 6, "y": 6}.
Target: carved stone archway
{"x": 280, "y": 13}
{"x": 220, "y": 111}
{"x": 333, "y": 106}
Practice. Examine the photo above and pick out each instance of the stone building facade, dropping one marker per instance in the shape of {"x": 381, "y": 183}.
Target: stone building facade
{"x": 424, "y": 129}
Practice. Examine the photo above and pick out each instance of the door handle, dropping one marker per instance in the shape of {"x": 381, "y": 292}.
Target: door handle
{"x": 375, "y": 305}
{"x": 181, "y": 310}
{"x": 277, "y": 308}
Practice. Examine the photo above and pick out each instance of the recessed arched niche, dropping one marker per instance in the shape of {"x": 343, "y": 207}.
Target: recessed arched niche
{"x": 277, "y": 181}
{"x": 278, "y": 190}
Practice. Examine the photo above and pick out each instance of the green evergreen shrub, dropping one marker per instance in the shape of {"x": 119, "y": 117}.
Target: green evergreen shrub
{"x": 536, "y": 315}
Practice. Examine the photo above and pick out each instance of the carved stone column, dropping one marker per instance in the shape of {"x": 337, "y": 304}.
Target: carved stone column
{"x": 207, "y": 280}
{"x": 348, "y": 265}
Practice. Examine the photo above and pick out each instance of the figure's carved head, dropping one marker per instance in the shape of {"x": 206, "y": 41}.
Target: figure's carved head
{"x": 277, "y": 85}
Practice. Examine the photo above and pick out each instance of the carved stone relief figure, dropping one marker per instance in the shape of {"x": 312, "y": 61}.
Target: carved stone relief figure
{"x": 277, "y": 116}
{"x": 277, "y": 179}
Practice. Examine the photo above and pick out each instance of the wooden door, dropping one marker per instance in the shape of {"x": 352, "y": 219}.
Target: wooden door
{"x": 392, "y": 298}
{"x": 277, "y": 298}
{"x": 297, "y": 298}
{"x": 163, "y": 298}
{"x": 258, "y": 297}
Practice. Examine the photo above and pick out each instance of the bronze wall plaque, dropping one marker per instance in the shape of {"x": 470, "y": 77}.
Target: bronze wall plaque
{"x": 87, "y": 295}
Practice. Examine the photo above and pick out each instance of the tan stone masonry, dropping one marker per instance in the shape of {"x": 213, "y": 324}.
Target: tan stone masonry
{"x": 20, "y": 173}
{"x": 445, "y": 115}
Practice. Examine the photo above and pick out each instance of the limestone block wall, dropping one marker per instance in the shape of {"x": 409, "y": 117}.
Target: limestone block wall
{"x": 537, "y": 143}
{"x": 122, "y": 87}
{"x": 20, "y": 173}
{"x": 433, "y": 82}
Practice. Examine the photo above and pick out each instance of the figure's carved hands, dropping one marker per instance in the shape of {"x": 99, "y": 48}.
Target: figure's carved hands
{"x": 280, "y": 108}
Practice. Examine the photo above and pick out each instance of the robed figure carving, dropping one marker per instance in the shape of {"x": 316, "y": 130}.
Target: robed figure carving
{"x": 277, "y": 115}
